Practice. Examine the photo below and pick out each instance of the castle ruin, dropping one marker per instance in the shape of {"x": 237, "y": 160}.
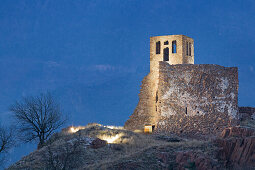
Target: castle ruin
{"x": 178, "y": 96}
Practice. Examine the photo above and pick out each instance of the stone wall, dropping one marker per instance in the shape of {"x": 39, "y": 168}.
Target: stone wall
{"x": 196, "y": 98}
{"x": 187, "y": 99}
{"x": 145, "y": 110}
{"x": 247, "y": 113}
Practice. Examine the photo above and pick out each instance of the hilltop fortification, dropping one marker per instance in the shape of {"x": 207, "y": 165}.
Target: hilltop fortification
{"x": 179, "y": 96}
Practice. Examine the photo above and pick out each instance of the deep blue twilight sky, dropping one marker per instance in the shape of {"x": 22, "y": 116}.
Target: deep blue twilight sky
{"x": 93, "y": 54}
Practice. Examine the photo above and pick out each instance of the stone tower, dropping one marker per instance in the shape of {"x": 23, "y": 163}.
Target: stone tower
{"x": 178, "y": 96}
{"x": 174, "y": 49}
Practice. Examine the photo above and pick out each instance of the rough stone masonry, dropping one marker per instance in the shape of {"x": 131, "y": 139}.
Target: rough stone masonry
{"x": 178, "y": 96}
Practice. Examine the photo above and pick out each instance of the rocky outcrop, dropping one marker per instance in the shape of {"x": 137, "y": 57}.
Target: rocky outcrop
{"x": 194, "y": 160}
{"x": 237, "y": 147}
{"x": 98, "y": 143}
{"x": 237, "y": 131}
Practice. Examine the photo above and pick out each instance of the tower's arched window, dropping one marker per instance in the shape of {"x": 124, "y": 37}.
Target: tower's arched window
{"x": 174, "y": 47}
{"x": 158, "y": 47}
{"x": 166, "y": 54}
{"x": 166, "y": 43}
{"x": 189, "y": 49}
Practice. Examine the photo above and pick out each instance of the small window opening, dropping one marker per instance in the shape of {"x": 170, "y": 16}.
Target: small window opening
{"x": 166, "y": 54}
{"x": 189, "y": 49}
{"x": 157, "y": 97}
{"x": 158, "y": 47}
{"x": 166, "y": 43}
{"x": 174, "y": 48}
{"x": 186, "y": 110}
{"x": 156, "y": 108}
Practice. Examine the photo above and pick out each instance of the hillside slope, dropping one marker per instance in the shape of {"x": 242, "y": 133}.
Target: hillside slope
{"x": 103, "y": 147}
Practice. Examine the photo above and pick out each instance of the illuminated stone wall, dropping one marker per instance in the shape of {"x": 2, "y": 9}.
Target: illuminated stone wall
{"x": 196, "y": 98}
{"x": 145, "y": 111}
{"x": 187, "y": 99}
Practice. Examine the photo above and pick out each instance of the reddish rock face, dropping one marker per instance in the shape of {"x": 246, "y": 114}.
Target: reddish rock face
{"x": 237, "y": 147}
{"x": 98, "y": 143}
{"x": 189, "y": 160}
{"x": 237, "y": 132}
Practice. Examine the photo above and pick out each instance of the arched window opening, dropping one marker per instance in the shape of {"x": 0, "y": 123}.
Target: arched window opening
{"x": 189, "y": 49}
{"x": 158, "y": 47}
{"x": 174, "y": 48}
{"x": 166, "y": 54}
{"x": 166, "y": 43}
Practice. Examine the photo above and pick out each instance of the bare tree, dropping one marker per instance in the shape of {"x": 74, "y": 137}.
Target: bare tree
{"x": 6, "y": 142}
{"x": 37, "y": 117}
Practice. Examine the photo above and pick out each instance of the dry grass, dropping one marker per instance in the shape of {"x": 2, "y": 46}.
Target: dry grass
{"x": 127, "y": 145}
{"x": 136, "y": 153}
{"x": 141, "y": 145}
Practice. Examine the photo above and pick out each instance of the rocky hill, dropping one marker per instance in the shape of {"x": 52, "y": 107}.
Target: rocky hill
{"x": 104, "y": 147}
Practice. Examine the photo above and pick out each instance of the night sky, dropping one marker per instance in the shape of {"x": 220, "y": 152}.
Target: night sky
{"x": 93, "y": 54}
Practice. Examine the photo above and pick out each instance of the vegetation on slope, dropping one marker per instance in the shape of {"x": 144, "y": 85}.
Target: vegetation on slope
{"x": 72, "y": 149}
